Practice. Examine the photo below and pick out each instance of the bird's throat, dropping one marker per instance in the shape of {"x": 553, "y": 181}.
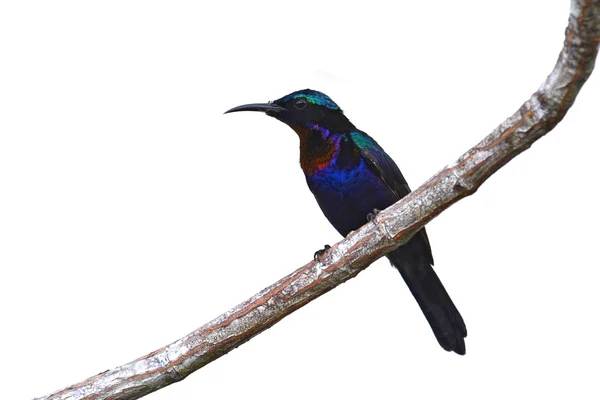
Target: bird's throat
{"x": 318, "y": 148}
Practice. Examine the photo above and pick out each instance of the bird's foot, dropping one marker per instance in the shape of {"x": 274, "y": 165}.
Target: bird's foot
{"x": 371, "y": 216}
{"x": 319, "y": 253}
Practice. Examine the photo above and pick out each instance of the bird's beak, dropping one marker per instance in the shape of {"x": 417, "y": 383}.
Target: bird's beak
{"x": 264, "y": 107}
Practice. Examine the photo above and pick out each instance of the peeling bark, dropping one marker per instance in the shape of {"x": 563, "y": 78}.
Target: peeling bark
{"x": 390, "y": 229}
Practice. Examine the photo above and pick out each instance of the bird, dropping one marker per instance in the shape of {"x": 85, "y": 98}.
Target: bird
{"x": 352, "y": 178}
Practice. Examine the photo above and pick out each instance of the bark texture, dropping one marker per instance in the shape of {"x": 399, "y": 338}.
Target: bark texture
{"x": 390, "y": 229}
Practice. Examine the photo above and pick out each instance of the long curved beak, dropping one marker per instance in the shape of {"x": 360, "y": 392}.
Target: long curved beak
{"x": 264, "y": 107}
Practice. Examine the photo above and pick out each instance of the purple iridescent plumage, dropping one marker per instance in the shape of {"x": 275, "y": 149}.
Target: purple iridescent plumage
{"x": 348, "y": 180}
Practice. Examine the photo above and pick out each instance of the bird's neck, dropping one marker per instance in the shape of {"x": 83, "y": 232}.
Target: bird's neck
{"x": 319, "y": 147}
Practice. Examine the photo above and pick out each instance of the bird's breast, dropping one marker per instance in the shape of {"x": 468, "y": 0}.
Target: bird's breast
{"x": 347, "y": 195}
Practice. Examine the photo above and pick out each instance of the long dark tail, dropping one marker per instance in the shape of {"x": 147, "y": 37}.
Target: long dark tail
{"x": 414, "y": 261}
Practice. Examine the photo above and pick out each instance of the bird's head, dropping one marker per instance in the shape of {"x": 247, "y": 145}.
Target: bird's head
{"x": 304, "y": 109}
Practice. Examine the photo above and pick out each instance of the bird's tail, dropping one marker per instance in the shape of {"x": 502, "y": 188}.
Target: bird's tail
{"x": 414, "y": 261}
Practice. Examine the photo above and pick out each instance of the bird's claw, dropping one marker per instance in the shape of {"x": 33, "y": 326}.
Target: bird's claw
{"x": 319, "y": 253}
{"x": 371, "y": 216}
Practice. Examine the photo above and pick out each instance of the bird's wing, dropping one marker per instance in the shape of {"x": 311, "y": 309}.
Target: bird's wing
{"x": 387, "y": 170}
{"x": 380, "y": 163}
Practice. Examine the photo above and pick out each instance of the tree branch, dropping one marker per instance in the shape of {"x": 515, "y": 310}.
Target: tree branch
{"x": 390, "y": 229}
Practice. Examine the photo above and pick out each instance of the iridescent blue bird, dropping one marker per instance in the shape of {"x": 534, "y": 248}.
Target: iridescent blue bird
{"x": 351, "y": 177}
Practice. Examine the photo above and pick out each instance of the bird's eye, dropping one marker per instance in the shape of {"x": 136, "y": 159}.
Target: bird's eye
{"x": 300, "y": 104}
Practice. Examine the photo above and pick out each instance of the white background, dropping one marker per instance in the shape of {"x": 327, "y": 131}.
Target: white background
{"x": 133, "y": 211}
